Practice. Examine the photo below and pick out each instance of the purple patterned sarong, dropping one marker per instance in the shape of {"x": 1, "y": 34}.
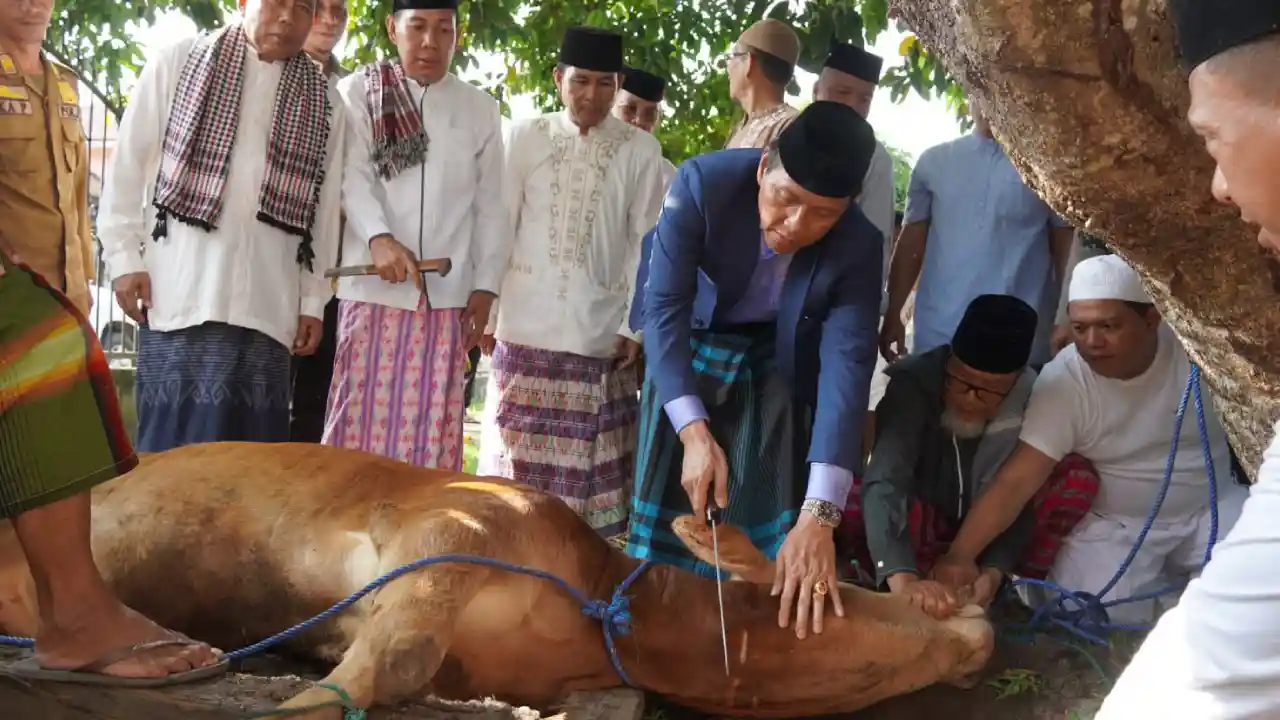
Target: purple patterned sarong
{"x": 565, "y": 424}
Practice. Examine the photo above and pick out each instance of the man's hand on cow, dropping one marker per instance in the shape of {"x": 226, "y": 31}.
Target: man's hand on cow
{"x": 1061, "y": 338}
{"x": 806, "y": 576}
{"x": 983, "y": 590}
{"x": 893, "y": 338}
{"x": 930, "y": 596}
{"x": 133, "y": 295}
{"x": 310, "y": 330}
{"x": 395, "y": 262}
{"x": 626, "y": 352}
{"x": 705, "y": 471}
{"x": 954, "y": 572}
{"x": 475, "y": 316}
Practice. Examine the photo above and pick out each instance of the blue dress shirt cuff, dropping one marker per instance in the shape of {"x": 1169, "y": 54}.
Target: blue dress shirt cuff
{"x": 684, "y": 410}
{"x": 828, "y": 482}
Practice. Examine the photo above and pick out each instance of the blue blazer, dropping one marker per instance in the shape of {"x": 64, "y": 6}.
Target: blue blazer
{"x": 704, "y": 250}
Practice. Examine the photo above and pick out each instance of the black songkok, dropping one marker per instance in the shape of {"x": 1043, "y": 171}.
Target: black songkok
{"x": 827, "y": 149}
{"x": 853, "y": 60}
{"x": 995, "y": 334}
{"x": 644, "y": 85}
{"x": 589, "y": 48}
{"x": 1210, "y": 27}
{"x": 398, "y": 5}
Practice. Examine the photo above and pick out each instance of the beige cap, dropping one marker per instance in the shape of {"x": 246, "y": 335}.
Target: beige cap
{"x": 774, "y": 37}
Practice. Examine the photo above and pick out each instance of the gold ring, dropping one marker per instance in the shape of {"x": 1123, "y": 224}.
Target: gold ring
{"x": 820, "y": 588}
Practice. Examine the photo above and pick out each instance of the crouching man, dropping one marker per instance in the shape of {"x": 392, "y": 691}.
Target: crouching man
{"x": 1111, "y": 397}
{"x": 949, "y": 419}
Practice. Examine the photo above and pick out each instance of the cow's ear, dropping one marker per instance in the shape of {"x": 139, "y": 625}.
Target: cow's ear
{"x": 737, "y": 555}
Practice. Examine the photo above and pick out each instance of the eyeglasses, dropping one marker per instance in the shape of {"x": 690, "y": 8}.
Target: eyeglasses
{"x": 729, "y": 56}
{"x": 982, "y": 393}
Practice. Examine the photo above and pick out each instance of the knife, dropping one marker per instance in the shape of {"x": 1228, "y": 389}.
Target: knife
{"x": 713, "y": 517}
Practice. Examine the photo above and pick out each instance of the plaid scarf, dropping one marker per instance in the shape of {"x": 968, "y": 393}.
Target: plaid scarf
{"x": 399, "y": 140}
{"x": 201, "y": 134}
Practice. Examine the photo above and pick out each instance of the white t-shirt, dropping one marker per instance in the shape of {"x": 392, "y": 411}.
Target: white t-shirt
{"x": 1124, "y": 428}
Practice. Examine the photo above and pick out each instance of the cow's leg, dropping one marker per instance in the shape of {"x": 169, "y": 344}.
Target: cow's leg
{"x": 410, "y": 626}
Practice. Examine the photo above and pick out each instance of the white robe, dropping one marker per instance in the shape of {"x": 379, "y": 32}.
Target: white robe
{"x": 244, "y": 272}
{"x": 580, "y": 206}
{"x": 876, "y": 202}
{"x": 451, "y": 206}
{"x": 1216, "y": 656}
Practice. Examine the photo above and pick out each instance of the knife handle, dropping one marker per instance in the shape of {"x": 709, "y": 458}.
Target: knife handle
{"x": 714, "y": 514}
{"x": 440, "y": 266}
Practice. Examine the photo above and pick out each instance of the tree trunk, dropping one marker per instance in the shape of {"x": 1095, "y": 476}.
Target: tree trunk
{"x": 1089, "y": 100}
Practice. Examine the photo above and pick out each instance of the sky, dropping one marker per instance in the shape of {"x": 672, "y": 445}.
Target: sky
{"x": 911, "y": 125}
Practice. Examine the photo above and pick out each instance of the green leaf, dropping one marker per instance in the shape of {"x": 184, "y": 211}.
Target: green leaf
{"x": 681, "y": 40}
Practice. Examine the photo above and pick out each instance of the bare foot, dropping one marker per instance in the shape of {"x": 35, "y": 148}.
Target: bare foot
{"x": 83, "y": 641}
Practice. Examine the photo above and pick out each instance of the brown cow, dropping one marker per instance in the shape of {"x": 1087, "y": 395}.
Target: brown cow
{"x": 232, "y": 542}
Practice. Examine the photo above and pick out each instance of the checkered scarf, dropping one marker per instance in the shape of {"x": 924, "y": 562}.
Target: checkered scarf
{"x": 202, "y": 130}
{"x": 399, "y": 140}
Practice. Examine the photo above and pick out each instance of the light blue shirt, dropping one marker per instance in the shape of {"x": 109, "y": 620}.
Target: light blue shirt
{"x": 988, "y": 233}
{"x": 760, "y": 304}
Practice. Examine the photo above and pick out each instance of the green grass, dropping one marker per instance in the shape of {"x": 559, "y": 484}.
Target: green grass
{"x": 470, "y": 454}
{"x": 1017, "y": 681}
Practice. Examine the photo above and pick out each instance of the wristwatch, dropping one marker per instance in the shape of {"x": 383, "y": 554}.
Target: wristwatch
{"x": 827, "y": 514}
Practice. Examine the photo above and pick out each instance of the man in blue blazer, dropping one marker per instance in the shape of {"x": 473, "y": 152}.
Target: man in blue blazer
{"x": 760, "y": 328}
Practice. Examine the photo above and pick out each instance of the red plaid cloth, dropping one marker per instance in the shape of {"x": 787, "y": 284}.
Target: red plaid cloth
{"x": 201, "y": 133}
{"x": 399, "y": 140}
{"x": 1061, "y": 503}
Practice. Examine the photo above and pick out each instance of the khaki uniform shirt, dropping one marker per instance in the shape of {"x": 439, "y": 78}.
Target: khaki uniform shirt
{"x": 761, "y": 129}
{"x": 44, "y": 180}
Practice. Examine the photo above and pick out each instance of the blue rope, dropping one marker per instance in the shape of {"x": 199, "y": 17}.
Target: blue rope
{"x": 1087, "y": 615}
{"x": 614, "y": 615}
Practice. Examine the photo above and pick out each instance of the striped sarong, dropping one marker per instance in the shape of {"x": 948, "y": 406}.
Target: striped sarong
{"x": 565, "y": 424}
{"x": 398, "y": 382}
{"x": 762, "y": 430}
{"x": 210, "y": 383}
{"x": 1059, "y": 505}
{"x": 60, "y": 427}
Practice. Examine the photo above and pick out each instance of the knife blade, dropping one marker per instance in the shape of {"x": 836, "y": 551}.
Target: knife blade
{"x": 713, "y": 516}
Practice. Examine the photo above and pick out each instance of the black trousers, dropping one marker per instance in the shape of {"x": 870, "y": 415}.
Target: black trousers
{"x": 311, "y": 378}
{"x": 473, "y": 361}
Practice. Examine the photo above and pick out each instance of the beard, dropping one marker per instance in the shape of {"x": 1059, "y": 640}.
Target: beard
{"x": 962, "y": 427}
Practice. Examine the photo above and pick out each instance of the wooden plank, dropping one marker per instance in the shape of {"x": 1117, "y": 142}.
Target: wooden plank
{"x": 227, "y": 698}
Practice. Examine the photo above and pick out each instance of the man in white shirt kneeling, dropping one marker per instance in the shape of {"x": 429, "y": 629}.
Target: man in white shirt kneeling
{"x": 423, "y": 181}
{"x": 1112, "y": 398}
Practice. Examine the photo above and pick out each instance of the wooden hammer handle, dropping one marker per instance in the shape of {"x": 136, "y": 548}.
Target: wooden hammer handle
{"x": 440, "y": 266}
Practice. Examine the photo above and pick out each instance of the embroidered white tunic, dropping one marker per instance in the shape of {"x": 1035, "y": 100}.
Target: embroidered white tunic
{"x": 244, "y": 272}
{"x": 450, "y": 206}
{"x": 580, "y": 205}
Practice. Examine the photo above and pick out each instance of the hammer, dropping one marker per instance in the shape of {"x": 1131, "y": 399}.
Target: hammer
{"x": 440, "y": 266}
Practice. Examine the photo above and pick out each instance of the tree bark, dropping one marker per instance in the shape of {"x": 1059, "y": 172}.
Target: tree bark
{"x": 1089, "y": 100}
